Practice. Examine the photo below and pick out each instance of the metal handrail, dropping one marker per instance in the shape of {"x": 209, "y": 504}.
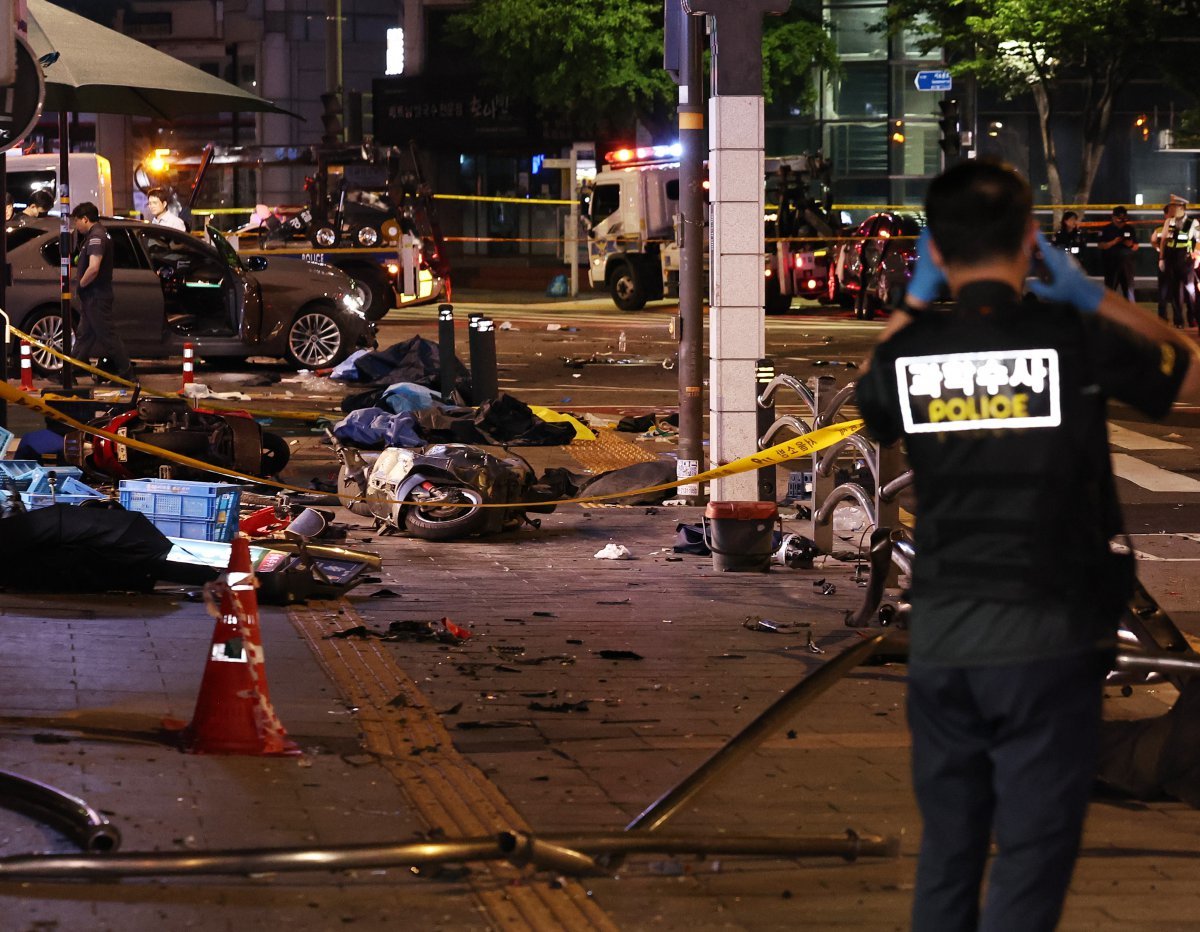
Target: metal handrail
{"x": 842, "y": 492}
{"x": 896, "y": 486}
{"x": 833, "y": 453}
{"x": 844, "y": 393}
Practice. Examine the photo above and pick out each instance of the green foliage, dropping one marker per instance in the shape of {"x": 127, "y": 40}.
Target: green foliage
{"x": 1013, "y": 44}
{"x": 599, "y": 65}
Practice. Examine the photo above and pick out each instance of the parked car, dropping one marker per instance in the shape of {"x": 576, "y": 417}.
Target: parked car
{"x": 172, "y": 288}
{"x": 870, "y": 271}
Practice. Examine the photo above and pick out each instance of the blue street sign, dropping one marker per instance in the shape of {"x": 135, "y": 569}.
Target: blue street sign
{"x": 933, "y": 81}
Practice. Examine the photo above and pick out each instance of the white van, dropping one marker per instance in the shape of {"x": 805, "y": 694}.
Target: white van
{"x": 90, "y": 179}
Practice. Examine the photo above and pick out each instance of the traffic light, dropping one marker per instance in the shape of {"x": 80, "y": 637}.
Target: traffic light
{"x": 896, "y": 134}
{"x": 331, "y": 117}
{"x": 951, "y": 141}
{"x": 1142, "y": 125}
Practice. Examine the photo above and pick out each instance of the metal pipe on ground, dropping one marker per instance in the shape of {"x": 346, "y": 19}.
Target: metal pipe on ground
{"x": 68, "y": 814}
{"x": 563, "y": 853}
{"x": 768, "y": 722}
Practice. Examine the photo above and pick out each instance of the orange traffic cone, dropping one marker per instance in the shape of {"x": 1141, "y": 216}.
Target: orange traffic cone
{"x": 26, "y": 368}
{"x": 233, "y": 713}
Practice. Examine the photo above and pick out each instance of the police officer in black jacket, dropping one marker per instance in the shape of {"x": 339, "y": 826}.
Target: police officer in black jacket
{"x": 1019, "y": 576}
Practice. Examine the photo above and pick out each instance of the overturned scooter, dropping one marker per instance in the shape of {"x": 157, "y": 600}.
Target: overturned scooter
{"x": 438, "y": 492}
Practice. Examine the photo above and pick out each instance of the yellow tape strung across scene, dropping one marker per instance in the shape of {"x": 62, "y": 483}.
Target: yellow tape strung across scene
{"x": 208, "y": 403}
{"x": 780, "y": 453}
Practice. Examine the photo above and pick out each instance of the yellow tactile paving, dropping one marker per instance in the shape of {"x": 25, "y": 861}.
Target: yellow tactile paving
{"x": 610, "y": 451}
{"x": 447, "y": 790}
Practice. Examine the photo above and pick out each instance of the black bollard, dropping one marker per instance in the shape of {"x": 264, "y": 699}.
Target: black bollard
{"x": 764, "y": 373}
{"x": 484, "y": 380}
{"x": 447, "y": 360}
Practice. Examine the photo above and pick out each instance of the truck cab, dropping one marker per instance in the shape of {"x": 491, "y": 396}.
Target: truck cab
{"x": 632, "y": 245}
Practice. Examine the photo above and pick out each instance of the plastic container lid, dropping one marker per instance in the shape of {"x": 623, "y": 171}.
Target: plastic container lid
{"x": 741, "y": 511}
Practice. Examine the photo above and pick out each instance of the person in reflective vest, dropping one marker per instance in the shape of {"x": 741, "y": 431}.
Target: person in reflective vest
{"x": 1020, "y": 572}
{"x": 1175, "y": 240}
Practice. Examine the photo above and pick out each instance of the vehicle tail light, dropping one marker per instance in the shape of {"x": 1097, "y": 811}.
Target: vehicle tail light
{"x": 884, "y": 234}
{"x": 811, "y": 284}
{"x": 799, "y": 261}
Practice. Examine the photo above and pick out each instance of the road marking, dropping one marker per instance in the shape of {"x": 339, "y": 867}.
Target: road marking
{"x": 448, "y": 791}
{"x": 1151, "y": 478}
{"x": 1128, "y": 439}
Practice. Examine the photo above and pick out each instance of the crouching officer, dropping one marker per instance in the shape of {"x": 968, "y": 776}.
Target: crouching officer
{"x": 1019, "y": 577}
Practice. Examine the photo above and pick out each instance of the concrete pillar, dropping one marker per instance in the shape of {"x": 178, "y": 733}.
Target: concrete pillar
{"x": 736, "y": 322}
{"x": 275, "y": 75}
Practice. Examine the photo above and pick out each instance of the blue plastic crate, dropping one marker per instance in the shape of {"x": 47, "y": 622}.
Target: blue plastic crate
{"x": 178, "y": 508}
{"x": 21, "y": 473}
{"x": 66, "y": 479}
{"x": 35, "y": 500}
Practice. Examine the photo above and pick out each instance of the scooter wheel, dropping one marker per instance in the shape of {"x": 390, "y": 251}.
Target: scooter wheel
{"x": 455, "y": 516}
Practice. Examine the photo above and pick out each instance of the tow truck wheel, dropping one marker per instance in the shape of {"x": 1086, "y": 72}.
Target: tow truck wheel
{"x": 776, "y": 301}
{"x": 626, "y": 287}
{"x": 373, "y": 289}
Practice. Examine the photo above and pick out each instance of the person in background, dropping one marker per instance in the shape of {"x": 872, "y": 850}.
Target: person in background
{"x": 1175, "y": 241}
{"x": 39, "y": 204}
{"x": 1022, "y": 569}
{"x": 157, "y": 201}
{"x": 8, "y": 206}
{"x": 97, "y": 334}
{"x": 1118, "y": 243}
{"x": 1070, "y": 237}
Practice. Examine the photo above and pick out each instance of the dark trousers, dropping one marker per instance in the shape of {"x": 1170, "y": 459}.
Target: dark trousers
{"x": 97, "y": 335}
{"x": 1118, "y": 274}
{"x": 1011, "y": 751}
{"x": 1177, "y": 287}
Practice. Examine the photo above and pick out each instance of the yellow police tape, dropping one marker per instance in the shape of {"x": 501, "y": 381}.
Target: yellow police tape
{"x": 208, "y": 403}
{"x": 780, "y": 453}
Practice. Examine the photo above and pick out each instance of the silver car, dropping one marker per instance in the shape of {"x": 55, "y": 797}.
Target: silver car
{"x": 172, "y": 288}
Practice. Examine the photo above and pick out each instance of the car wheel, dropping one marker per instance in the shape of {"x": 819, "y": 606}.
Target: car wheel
{"x": 46, "y": 326}
{"x": 315, "y": 340}
{"x": 374, "y": 290}
{"x": 626, "y": 288}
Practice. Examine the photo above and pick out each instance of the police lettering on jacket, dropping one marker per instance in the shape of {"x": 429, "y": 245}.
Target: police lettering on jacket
{"x": 1005, "y": 390}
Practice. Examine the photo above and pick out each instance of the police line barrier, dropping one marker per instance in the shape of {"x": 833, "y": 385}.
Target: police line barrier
{"x": 214, "y": 405}
{"x": 792, "y": 449}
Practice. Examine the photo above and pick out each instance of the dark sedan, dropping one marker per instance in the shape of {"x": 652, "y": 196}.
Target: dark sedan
{"x": 172, "y": 288}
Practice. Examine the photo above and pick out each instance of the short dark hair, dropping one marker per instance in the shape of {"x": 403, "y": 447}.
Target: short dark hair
{"x": 85, "y": 211}
{"x": 1119, "y": 211}
{"x": 160, "y": 193}
{"x": 42, "y": 200}
{"x": 978, "y": 210}
{"x": 1069, "y": 215}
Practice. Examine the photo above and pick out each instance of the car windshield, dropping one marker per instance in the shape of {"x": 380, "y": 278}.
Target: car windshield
{"x": 221, "y": 245}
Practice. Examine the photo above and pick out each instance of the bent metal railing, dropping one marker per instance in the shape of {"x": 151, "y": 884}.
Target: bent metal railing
{"x": 823, "y": 403}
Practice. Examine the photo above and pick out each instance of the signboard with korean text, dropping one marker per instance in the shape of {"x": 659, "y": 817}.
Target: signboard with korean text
{"x": 934, "y": 81}
{"x": 999, "y": 390}
{"x": 442, "y": 113}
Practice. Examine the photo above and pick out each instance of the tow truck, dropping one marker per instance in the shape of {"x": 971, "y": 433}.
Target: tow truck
{"x": 386, "y": 236}
{"x": 633, "y": 236}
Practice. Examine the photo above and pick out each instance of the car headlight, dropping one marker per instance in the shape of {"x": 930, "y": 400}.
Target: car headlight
{"x": 354, "y": 304}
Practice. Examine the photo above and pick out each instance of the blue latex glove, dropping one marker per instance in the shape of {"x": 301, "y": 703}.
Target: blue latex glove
{"x": 1068, "y": 283}
{"x": 928, "y": 281}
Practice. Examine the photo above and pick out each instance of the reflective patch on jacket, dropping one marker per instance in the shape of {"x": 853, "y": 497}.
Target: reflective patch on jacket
{"x": 998, "y": 390}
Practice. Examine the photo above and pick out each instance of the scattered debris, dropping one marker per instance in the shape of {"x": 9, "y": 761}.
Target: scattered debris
{"x": 444, "y": 631}
{"x": 827, "y": 588}
{"x": 581, "y": 706}
{"x": 384, "y": 594}
{"x": 613, "y": 602}
{"x": 498, "y": 723}
{"x": 812, "y": 645}
{"x": 618, "y": 655}
{"x": 614, "y": 552}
